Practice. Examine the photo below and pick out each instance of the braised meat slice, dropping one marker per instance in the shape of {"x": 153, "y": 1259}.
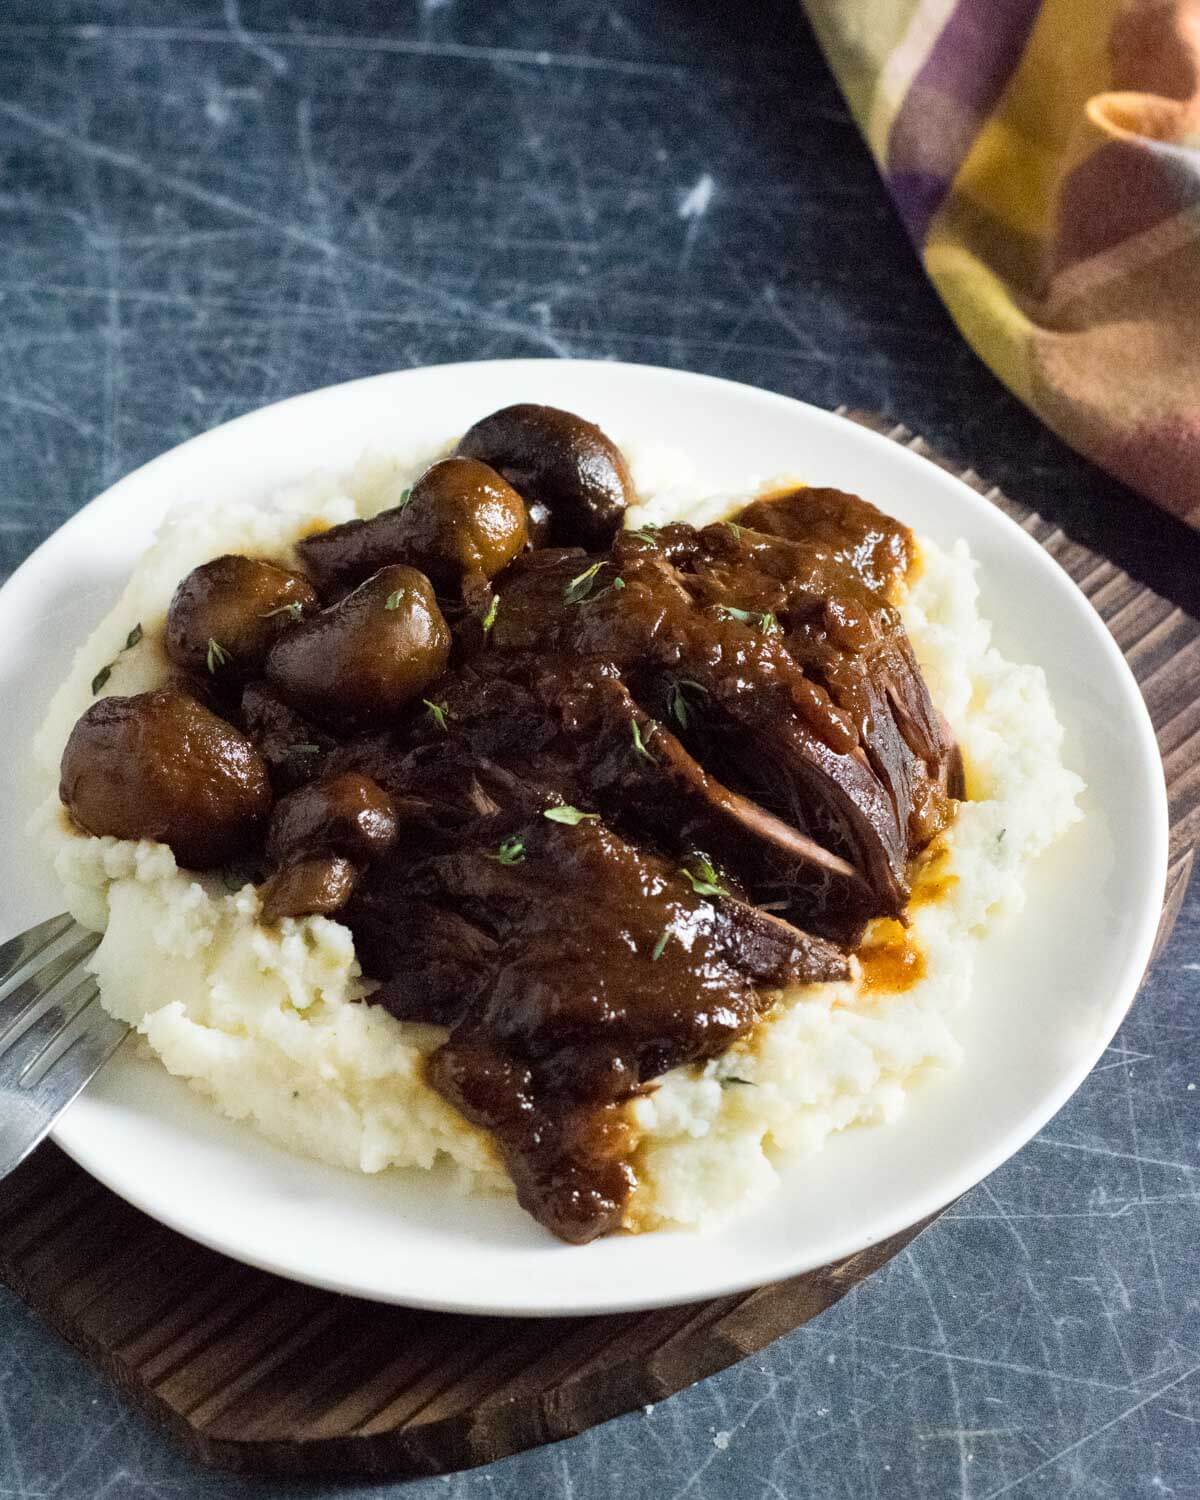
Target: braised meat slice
{"x": 638, "y": 613}
{"x": 585, "y": 966}
{"x": 855, "y": 643}
{"x": 293, "y": 748}
{"x": 588, "y": 806}
{"x": 853, "y": 534}
{"x": 579, "y": 733}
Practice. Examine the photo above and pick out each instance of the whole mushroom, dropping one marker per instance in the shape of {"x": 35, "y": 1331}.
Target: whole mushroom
{"x": 162, "y": 766}
{"x": 460, "y": 522}
{"x": 573, "y": 478}
{"x": 226, "y": 614}
{"x": 364, "y": 658}
{"x": 349, "y": 814}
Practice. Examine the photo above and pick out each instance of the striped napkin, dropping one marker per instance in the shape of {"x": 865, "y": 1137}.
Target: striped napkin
{"x": 1045, "y": 157}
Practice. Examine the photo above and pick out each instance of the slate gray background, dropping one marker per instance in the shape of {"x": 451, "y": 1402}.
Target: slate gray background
{"x": 203, "y": 209}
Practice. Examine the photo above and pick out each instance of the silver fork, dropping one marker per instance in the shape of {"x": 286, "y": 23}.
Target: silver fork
{"x": 54, "y": 1035}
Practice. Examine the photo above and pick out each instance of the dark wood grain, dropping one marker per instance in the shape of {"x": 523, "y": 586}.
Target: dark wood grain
{"x": 256, "y": 1373}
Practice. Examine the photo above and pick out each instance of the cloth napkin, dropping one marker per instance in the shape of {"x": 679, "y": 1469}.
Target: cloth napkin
{"x": 1045, "y": 158}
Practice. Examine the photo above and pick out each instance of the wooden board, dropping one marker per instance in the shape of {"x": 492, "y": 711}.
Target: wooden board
{"x": 256, "y": 1373}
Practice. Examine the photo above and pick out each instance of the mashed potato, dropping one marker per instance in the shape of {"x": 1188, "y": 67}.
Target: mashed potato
{"x": 265, "y": 1021}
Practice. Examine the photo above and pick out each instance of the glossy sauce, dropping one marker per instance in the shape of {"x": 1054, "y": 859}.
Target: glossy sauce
{"x": 592, "y": 810}
{"x": 892, "y": 960}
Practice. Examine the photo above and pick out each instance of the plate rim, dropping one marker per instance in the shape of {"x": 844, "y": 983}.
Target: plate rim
{"x": 1129, "y": 978}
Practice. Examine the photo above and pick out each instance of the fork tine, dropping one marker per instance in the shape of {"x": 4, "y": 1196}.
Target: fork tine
{"x": 22, "y": 1056}
{"x": 20, "y": 1007}
{"x": 91, "y": 1039}
{"x": 17, "y": 951}
{"x": 27, "y": 1113}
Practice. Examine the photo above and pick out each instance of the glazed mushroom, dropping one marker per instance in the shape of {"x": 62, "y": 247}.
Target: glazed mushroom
{"x": 320, "y": 837}
{"x": 364, "y": 658}
{"x": 461, "y": 522}
{"x": 348, "y": 814}
{"x": 318, "y": 886}
{"x": 161, "y": 766}
{"x": 571, "y": 475}
{"x": 226, "y": 615}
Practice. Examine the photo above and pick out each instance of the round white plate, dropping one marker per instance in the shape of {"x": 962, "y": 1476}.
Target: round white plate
{"x": 1052, "y": 986}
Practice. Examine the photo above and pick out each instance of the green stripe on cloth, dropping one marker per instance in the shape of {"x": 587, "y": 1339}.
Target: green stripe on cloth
{"x": 1045, "y": 157}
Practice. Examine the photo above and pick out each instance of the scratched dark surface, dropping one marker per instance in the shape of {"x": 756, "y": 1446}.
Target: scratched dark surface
{"x": 204, "y": 209}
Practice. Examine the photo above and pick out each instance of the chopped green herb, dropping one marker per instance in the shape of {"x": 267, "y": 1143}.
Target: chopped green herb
{"x": 438, "y": 712}
{"x": 677, "y": 702}
{"x": 304, "y": 749}
{"x": 705, "y": 880}
{"x": 582, "y": 584}
{"x": 394, "y": 600}
{"x": 762, "y": 620}
{"x": 493, "y": 610}
{"x": 660, "y": 947}
{"x": 639, "y": 744}
{"x": 571, "y": 816}
{"x": 1000, "y": 836}
{"x": 744, "y": 1082}
{"x": 293, "y": 611}
{"x": 735, "y": 528}
{"x": 617, "y": 583}
{"x": 217, "y": 655}
{"x": 105, "y": 672}
{"x": 510, "y": 852}
{"x": 405, "y": 497}
{"x": 646, "y": 534}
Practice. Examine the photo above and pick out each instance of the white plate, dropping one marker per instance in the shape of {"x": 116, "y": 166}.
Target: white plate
{"x": 1052, "y": 986}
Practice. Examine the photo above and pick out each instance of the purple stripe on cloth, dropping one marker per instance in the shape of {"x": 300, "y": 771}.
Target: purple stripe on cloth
{"x": 1119, "y": 191}
{"x": 965, "y": 73}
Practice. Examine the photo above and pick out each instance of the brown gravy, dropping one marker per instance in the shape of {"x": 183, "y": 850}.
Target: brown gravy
{"x": 618, "y": 800}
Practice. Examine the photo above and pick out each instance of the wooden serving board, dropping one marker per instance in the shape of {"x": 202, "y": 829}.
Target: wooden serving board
{"x": 256, "y": 1373}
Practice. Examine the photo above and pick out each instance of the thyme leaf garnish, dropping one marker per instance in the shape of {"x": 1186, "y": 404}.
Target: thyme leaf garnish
{"x": 677, "y": 702}
{"x": 293, "y": 611}
{"x": 105, "y": 671}
{"x": 217, "y": 656}
{"x": 394, "y": 600}
{"x": 704, "y": 878}
{"x": 763, "y": 620}
{"x": 571, "y": 816}
{"x": 646, "y": 533}
{"x": 510, "y": 852}
{"x": 639, "y": 744}
{"x": 493, "y": 610}
{"x": 617, "y": 584}
{"x": 304, "y": 749}
{"x": 578, "y": 589}
{"x": 438, "y": 712}
{"x": 660, "y": 947}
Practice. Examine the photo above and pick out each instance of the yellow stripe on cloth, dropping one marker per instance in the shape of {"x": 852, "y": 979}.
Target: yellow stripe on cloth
{"x": 1037, "y": 131}
{"x": 985, "y": 248}
{"x": 877, "y": 53}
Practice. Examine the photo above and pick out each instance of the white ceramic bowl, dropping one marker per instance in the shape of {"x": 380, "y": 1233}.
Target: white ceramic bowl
{"x": 1052, "y": 985}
